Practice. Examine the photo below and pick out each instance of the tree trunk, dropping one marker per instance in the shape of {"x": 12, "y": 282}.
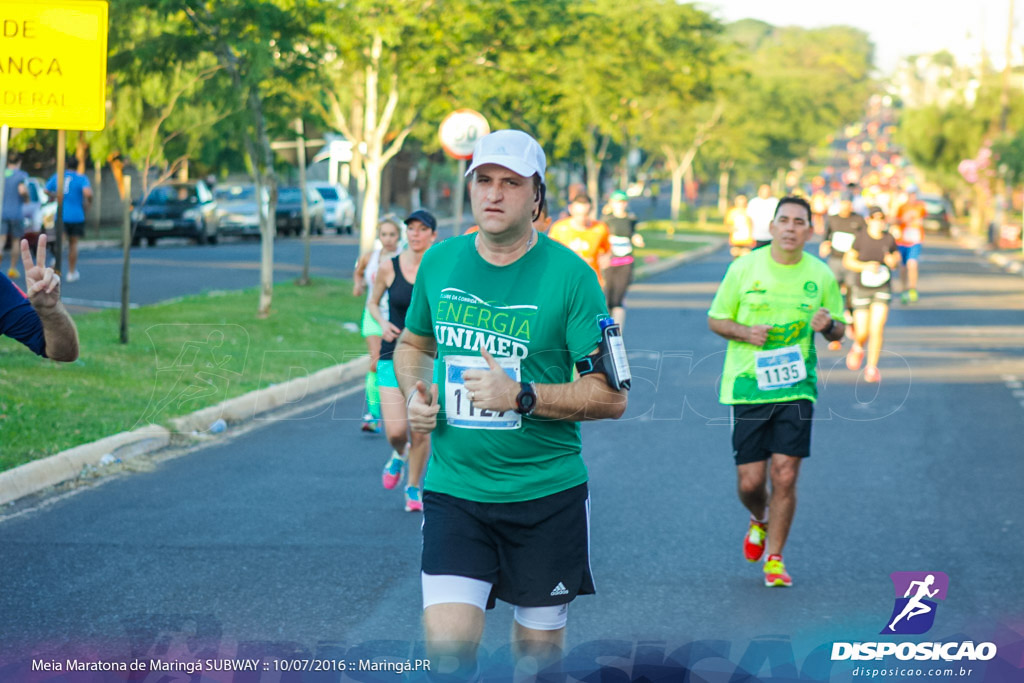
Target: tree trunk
{"x": 371, "y": 206}
{"x": 266, "y": 235}
{"x": 81, "y": 151}
{"x": 593, "y": 184}
{"x": 677, "y": 190}
{"x": 97, "y": 214}
{"x": 723, "y": 192}
{"x": 595, "y": 156}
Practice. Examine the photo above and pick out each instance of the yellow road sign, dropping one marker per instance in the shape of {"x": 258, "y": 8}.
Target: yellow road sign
{"x": 53, "y": 64}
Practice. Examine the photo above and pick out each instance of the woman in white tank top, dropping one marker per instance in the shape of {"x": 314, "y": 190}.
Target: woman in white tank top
{"x": 388, "y": 234}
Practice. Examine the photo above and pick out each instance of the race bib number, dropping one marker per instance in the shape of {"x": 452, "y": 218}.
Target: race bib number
{"x": 842, "y": 241}
{"x": 460, "y": 411}
{"x": 875, "y": 279}
{"x": 621, "y": 246}
{"x": 912, "y": 234}
{"x": 779, "y": 368}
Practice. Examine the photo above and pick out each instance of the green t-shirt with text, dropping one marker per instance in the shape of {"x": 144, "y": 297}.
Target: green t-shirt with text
{"x": 542, "y": 311}
{"x": 757, "y": 290}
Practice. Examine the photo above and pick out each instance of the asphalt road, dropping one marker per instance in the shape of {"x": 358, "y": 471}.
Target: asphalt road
{"x": 280, "y": 542}
{"x": 176, "y": 268}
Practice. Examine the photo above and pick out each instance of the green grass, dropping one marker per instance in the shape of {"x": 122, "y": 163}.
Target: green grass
{"x": 665, "y": 238}
{"x": 183, "y": 355}
{"x": 664, "y": 247}
{"x": 667, "y": 227}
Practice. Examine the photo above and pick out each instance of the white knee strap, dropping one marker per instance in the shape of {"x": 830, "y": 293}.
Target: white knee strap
{"x": 440, "y": 588}
{"x": 549, "y": 618}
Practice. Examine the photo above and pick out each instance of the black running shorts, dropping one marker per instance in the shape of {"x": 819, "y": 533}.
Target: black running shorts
{"x": 761, "y": 429}
{"x": 535, "y": 553}
{"x": 862, "y": 297}
{"x": 616, "y": 282}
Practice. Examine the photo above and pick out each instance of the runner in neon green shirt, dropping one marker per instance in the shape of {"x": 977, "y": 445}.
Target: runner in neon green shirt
{"x": 769, "y": 306}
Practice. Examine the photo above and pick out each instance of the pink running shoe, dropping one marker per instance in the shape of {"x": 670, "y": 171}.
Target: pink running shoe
{"x": 393, "y": 471}
{"x": 413, "y": 499}
{"x": 753, "y": 542}
{"x": 855, "y": 357}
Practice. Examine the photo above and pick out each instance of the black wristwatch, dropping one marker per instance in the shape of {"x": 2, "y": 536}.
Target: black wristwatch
{"x": 526, "y": 400}
{"x": 831, "y": 326}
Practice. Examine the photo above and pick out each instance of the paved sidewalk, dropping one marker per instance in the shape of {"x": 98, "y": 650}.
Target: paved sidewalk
{"x": 1010, "y": 260}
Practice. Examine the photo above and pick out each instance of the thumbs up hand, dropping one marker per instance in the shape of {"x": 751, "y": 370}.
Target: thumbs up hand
{"x": 423, "y": 408}
{"x": 491, "y": 389}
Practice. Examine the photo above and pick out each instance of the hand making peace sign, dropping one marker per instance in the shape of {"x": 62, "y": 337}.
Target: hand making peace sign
{"x": 41, "y": 284}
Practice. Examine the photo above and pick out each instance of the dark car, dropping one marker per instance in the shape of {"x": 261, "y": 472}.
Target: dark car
{"x": 176, "y": 210}
{"x": 238, "y": 211}
{"x": 289, "y": 211}
{"x": 940, "y": 213}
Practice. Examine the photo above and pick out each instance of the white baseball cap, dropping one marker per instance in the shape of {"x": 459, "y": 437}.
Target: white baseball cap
{"x": 513, "y": 149}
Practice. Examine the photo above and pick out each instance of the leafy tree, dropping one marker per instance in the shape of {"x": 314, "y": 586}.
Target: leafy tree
{"x": 685, "y": 108}
{"x": 386, "y": 62}
{"x": 623, "y": 64}
{"x": 258, "y": 44}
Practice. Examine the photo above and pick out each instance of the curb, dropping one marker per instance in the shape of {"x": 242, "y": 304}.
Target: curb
{"x": 679, "y": 259}
{"x": 88, "y": 245}
{"x": 980, "y": 247}
{"x": 37, "y": 475}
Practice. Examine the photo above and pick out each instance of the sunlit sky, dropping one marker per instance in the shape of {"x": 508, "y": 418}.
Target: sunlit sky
{"x": 898, "y": 28}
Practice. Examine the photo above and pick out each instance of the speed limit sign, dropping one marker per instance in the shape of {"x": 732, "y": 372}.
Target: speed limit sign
{"x": 460, "y": 130}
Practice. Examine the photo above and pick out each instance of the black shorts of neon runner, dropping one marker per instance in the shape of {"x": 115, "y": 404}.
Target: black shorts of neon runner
{"x": 535, "y": 553}
{"x": 616, "y": 282}
{"x": 760, "y": 429}
{"x": 862, "y": 297}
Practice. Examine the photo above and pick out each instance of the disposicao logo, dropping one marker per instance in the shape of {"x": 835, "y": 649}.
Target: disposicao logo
{"x": 914, "y": 611}
{"x": 913, "y": 614}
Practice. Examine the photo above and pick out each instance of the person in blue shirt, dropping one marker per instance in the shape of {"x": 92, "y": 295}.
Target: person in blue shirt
{"x": 77, "y": 198}
{"x": 12, "y": 225}
{"x": 36, "y": 317}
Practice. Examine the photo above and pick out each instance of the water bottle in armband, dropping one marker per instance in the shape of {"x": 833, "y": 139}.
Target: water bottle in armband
{"x": 610, "y": 358}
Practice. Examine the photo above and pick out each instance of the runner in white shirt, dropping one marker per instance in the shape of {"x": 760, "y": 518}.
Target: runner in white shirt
{"x": 761, "y": 210}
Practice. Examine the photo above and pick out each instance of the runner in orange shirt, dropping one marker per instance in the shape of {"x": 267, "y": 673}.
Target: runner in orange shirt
{"x": 741, "y": 228}
{"x": 585, "y": 236}
{"x": 909, "y": 237}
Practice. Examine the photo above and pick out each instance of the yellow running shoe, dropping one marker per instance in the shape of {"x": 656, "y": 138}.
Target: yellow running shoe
{"x": 775, "y": 572}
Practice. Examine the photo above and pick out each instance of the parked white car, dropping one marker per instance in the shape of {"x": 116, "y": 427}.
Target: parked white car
{"x": 339, "y": 209}
{"x": 39, "y": 210}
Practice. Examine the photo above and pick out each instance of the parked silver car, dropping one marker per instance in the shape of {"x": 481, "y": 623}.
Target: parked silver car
{"x": 339, "y": 209}
{"x": 238, "y": 210}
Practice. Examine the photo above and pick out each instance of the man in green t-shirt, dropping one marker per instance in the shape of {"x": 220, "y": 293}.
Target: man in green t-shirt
{"x": 508, "y": 312}
{"x": 769, "y": 306}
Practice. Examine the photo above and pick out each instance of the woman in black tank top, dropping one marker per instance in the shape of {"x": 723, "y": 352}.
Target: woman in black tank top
{"x": 396, "y": 276}
{"x": 399, "y": 298}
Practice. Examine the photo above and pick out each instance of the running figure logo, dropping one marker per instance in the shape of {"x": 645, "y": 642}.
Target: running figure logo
{"x": 914, "y": 612}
